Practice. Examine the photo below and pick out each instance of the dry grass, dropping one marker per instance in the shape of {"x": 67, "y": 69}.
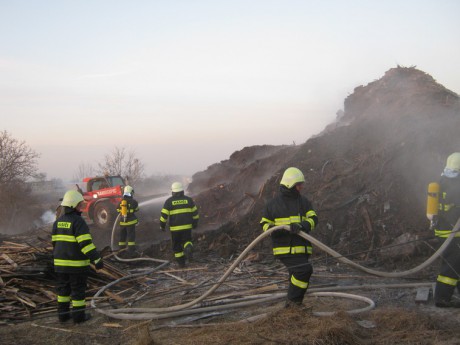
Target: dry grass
{"x": 292, "y": 327}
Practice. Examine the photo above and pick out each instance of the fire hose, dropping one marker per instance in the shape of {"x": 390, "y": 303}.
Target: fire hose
{"x": 379, "y": 273}
{"x": 157, "y": 313}
{"x": 112, "y": 242}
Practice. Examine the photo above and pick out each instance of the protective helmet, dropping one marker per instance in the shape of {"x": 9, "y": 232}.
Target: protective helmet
{"x": 128, "y": 191}
{"x": 453, "y": 161}
{"x": 71, "y": 199}
{"x": 292, "y": 176}
{"x": 177, "y": 187}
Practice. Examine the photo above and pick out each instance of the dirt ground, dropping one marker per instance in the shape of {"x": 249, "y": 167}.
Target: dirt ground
{"x": 366, "y": 175}
{"x": 395, "y": 319}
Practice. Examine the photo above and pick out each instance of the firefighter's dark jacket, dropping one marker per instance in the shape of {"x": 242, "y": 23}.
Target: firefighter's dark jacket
{"x": 72, "y": 243}
{"x": 181, "y": 212}
{"x": 133, "y": 206}
{"x": 449, "y": 206}
{"x": 287, "y": 208}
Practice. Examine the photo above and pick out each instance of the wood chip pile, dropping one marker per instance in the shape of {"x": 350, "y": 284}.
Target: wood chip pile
{"x": 27, "y": 281}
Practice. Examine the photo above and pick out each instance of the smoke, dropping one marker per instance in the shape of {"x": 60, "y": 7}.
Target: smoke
{"x": 157, "y": 201}
{"x": 48, "y": 217}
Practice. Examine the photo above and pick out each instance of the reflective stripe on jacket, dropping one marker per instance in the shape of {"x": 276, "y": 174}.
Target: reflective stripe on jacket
{"x": 181, "y": 212}
{"x": 449, "y": 206}
{"x": 287, "y": 208}
{"x": 73, "y": 247}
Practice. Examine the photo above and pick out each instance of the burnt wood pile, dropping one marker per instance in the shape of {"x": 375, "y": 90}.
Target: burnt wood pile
{"x": 27, "y": 280}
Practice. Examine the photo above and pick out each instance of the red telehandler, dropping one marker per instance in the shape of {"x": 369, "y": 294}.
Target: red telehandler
{"x": 102, "y": 196}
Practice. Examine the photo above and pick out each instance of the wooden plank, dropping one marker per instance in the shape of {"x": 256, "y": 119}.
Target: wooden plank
{"x": 178, "y": 278}
{"x": 9, "y": 260}
{"x": 423, "y": 295}
{"x": 16, "y": 245}
{"x": 114, "y": 296}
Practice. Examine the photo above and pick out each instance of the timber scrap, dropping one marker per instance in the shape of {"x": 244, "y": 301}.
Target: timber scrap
{"x": 27, "y": 280}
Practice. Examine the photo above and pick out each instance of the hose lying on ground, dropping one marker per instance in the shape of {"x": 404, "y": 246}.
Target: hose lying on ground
{"x": 132, "y": 259}
{"x": 202, "y": 297}
{"x": 125, "y": 314}
{"x": 379, "y": 273}
{"x": 156, "y": 313}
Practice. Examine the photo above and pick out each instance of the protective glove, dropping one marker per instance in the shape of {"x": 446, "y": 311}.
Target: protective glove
{"x": 162, "y": 229}
{"x": 305, "y": 227}
{"x": 99, "y": 265}
{"x": 296, "y": 228}
{"x": 279, "y": 233}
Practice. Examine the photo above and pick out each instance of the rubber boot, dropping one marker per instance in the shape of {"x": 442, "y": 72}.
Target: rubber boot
{"x": 79, "y": 315}
{"x": 181, "y": 262}
{"x": 121, "y": 251}
{"x": 292, "y": 304}
{"x": 442, "y": 296}
{"x": 188, "y": 251}
{"x": 132, "y": 253}
{"x": 63, "y": 311}
{"x": 300, "y": 306}
{"x": 295, "y": 294}
{"x": 447, "y": 304}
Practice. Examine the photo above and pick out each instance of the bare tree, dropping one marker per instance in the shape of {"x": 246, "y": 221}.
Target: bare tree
{"x": 123, "y": 163}
{"x": 17, "y": 160}
{"x": 84, "y": 170}
{"x": 40, "y": 177}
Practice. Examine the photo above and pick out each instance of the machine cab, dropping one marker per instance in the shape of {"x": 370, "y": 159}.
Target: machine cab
{"x": 98, "y": 183}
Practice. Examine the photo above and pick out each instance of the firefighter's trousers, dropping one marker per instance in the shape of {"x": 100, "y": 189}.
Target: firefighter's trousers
{"x": 71, "y": 289}
{"x": 449, "y": 273}
{"x": 180, "y": 240}
{"x": 128, "y": 237}
{"x": 300, "y": 271}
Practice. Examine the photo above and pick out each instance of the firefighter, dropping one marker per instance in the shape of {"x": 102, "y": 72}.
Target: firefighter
{"x": 73, "y": 250}
{"x": 448, "y": 214}
{"x": 128, "y": 207}
{"x": 183, "y": 217}
{"x": 294, "y": 210}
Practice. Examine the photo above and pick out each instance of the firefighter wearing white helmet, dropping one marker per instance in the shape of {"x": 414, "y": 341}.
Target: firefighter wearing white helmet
{"x": 128, "y": 191}
{"x": 177, "y": 187}
{"x": 182, "y": 214}
{"x": 294, "y": 210}
{"x": 127, "y": 208}
{"x": 71, "y": 199}
{"x": 73, "y": 250}
{"x": 453, "y": 162}
{"x": 448, "y": 214}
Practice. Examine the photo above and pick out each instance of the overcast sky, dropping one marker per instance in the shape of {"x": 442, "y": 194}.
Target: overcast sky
{"x": 186, "y": 83}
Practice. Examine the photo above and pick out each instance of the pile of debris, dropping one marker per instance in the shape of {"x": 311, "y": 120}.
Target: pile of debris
{"x": 25, "y": 289}
{"x": 27, "y": 278}
{"x": 366, "y": 174}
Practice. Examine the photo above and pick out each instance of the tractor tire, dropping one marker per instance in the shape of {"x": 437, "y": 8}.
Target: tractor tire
{"x": 104, "y": 215}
